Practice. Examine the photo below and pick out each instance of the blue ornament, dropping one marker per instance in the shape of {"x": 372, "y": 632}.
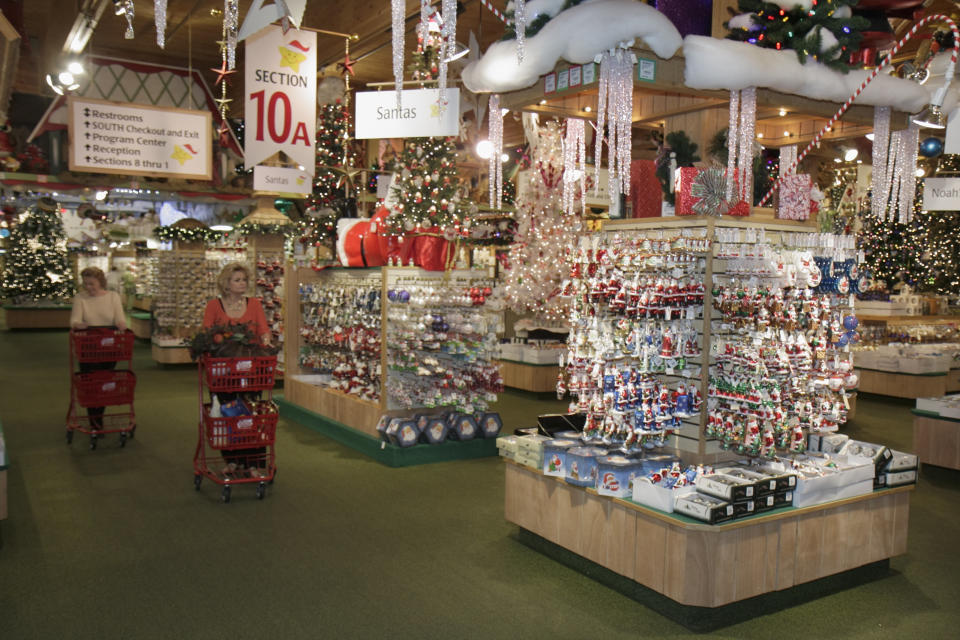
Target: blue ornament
{"x": 843, "y": 340}
{"x": 403, "y": 296}
{"x": 391, "y": 295}
{"x": 850, "y": 322}
{"x": 931, "y": 147}
{"x": 853, "y": 337}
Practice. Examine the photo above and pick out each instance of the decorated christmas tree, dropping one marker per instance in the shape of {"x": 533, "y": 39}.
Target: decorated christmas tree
{"x": 428, "y": 188}
{"x": 37, "y": 267}
{"x": 938, "y": 262}
{"x": 891, "y": 250}
{"x": 823, "y": 30}
{"x": 545, "y": 237}
{"x": 333, "y": 191}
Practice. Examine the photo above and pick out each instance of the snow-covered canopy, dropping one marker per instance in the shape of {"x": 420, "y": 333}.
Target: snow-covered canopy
{"x": 577, "y": 35}
{"x": 712, "y": 63}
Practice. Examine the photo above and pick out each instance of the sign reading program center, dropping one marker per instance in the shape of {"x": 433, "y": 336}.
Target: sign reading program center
{"x": 139, "y": 140}
{"x": 280, "y": 96}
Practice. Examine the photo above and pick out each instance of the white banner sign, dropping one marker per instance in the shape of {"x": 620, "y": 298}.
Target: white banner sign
{"x": 419, "y": 115}
{"x": 281, "y": 180}
{"x": 941, "y": 194}
{"x": 280, "y": 96}
{"x": 139, "y": 140}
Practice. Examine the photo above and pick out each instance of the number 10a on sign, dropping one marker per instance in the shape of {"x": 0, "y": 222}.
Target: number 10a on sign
{"x": 280, "y": 81}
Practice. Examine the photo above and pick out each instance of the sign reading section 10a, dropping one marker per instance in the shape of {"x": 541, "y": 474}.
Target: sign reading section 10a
{"x": 280, "y": 103}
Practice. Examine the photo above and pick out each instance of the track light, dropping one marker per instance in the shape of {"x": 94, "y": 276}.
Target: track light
{"x": 850, "y": 154}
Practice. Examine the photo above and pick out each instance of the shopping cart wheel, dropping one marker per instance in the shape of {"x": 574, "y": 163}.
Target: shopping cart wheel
{"x": 93, "y": 442}
{"x": 133, "y": 430}
{"x": 123, "y": 440}
{"x": 225, "y": 494}
{"x": 197, "y": 479}
{"x": 261, "y": 490}
{"x": 69, "y": 436}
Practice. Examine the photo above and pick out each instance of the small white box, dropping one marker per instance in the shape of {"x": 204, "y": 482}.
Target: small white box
{"x": 511, "y": 351}
{"x": 901, "y": 461}
{"x": 809, "y": 497}
{"x": 652, "y": 495}
{"x": 541, "y": 355}
{"x": 898, "y": 478}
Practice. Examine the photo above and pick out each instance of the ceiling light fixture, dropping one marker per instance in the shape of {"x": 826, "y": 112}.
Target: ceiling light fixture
{"x": 850, "y": 154}
{"x": 783, "y": 112}
{"x": 484, "y": 149}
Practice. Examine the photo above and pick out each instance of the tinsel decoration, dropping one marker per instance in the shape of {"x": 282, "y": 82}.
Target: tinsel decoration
{"x": 520, "y": 26}
{"x": 709, "y": 188}
{"x": 733, "y": 134}
{"x": 788, "y": 156}
{"x": 231, "y": 19}
{"x": 495, "y": 163}
{"x": 880, "y": 180}
{"x": 748, "y": 127}
{"x": 448, "y": 44}
{"x": 616, "y": 100}
{"x": 906, "y": 172}
{"x": 128, "y": 13}
{"x": 574, "y": 165}
{"x": 398, "y": 7}
{"x": 160, "y": 21}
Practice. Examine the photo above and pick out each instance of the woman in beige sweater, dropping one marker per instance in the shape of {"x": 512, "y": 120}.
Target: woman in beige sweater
{"x": 95, "y": 306}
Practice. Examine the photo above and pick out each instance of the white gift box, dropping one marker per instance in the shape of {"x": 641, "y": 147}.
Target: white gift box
{"x": 658, "y": 497}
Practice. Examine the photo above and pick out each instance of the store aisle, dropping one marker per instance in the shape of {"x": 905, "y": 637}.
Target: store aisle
{"x": 115, "y": 543}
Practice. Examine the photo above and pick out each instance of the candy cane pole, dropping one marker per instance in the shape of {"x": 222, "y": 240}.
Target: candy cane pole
{"x": 493, "y": 9}
{"x": 937, "y": 99}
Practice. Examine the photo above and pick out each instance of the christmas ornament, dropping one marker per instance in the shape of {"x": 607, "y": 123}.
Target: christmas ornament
{"x": 520, "y": 26}
{"x": 495, "y": 162}
{"x": 615, "y": 102}
{"x": 931, "y": 147}
{"x": 160, "y": 21}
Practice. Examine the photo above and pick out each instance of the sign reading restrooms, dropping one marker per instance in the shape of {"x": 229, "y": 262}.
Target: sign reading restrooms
{"x": 139, "y": 140}
{"x": 280, "y": 96}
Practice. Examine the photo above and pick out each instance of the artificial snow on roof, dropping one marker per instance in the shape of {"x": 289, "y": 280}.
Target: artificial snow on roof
{"x": 577, "y": 35}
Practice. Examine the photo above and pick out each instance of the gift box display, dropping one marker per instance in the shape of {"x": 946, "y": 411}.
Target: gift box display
{"x": 725, "y": 487}
{"x": 490, "y": 424}
{"x": 407, "y": 433}
{"x": 743, "y": 508}
{"x": 507, "y": 447}
{"x": 581, "y": 467}
{"x": 462, "y": 426}
{"x": 555, "y": 457}
{"x": 795, "y": 197}
{"x": 703, "y": 507}
{"x": 615, "y": 476}
{"x": 435, "y": 431}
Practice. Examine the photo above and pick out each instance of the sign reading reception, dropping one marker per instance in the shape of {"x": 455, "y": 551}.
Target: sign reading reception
{"x": 139, "y": 140}
{"x": 280, "y": 96}
{"x": 418, "y": 116}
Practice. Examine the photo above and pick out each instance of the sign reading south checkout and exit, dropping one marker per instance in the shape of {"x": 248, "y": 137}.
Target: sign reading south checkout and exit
{"x": 139, "y": 140}
{"x": 280, "y": 103}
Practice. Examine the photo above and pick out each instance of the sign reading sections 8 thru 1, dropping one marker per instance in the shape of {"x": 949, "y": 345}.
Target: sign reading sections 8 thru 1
{"x": 280, "y": 104}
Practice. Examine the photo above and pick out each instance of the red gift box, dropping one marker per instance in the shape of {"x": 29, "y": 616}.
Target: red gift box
{"x": 645, "y": 191}
{"x": 795, "y": 201}
{"x": 683, "y": 181}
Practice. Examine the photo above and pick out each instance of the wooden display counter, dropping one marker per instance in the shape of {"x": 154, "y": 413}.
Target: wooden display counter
{"x": 141, "y": 323}
{"x": 170, "y": 355}
{"x": 39, "y": 317}
{"x": 953, "y": 380}
{"x": 351, "y": 411}
{"x": 529, "y": 377}
{"x": 936, "y": 440}
{"x": 704, "y": 565}
{"x": 902, "y": 385}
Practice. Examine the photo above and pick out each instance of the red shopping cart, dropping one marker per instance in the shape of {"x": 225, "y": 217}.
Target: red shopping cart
{"x": 98, "y": 388}
{"x": 238, "y": 423}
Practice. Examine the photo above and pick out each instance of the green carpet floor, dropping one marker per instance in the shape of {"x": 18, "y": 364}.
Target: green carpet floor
{"x": 115, "y": 543}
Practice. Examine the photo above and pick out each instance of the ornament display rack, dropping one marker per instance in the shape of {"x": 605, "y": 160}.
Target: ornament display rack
{"x": 700, "y": 567}
{"x": 908, "y": 385}
{"x": 344, "y": 417}
{"x": 184, "y": 284}
{"x": 266, "y": 257}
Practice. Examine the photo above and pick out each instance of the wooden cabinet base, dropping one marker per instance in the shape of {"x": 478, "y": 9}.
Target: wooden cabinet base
{"x": 170, "y": 355}
{"x": 710, "y": 565}
{"x": 358, "y": 414}
{"x": 29, "y": 318}
{"x": 529, "y": 377}
{"x": 901, "y": 385}
{"x": 140, "y": 326}
{"x": 937, "y": 442}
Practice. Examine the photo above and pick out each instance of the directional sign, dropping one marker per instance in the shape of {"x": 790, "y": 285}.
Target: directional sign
{"x": 139, "y": 140}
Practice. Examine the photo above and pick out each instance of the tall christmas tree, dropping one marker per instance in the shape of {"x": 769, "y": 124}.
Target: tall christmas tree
{"x": 891, "y": 250}
{"x": 333, "y": 193}
{"x": 546, "y": 236}
{"x": 823, "y": 30}
{"x": 938, "y": 265}
{"x": 37, "y": 266}
{"x": 428, "y": 189}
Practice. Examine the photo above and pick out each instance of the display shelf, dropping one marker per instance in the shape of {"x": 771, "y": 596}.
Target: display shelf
{"x": 170, "y": 354}
{"x": 529, "y": 377}
{"x": 902, "y": 385}
{"x": 356, "y": 413}
{"x": 936, "y": 440}
{"x": 908, "y": 319}
{"x": 703, "y": 565}
{"x": 51, "y": 316}
{"x": 141, "y": 323}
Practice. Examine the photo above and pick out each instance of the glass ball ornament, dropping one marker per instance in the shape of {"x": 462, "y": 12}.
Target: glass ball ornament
{"x": 931, "y": 147}
{"x": 843, "y": 340}
{"x": 850, "y": 322}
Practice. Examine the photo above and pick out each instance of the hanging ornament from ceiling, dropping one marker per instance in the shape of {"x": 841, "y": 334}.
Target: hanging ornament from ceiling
{"x": 880, "y": 180}
{"x": 397, "y": 9}
{"x": 574, "y": 165}
{"x": 448, "y": 45}
{"x": 231, "y": 20}
{"x": 615, "y": 103}
{"x": 520, "y": 25}
{"x": 126, "y": 7}
{"x": 160, "y": 21}
{"x": 495, "y": 163}
{"x": 740, "y": 135}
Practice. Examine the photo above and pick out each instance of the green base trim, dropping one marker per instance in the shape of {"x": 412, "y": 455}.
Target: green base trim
{"x": 932, "y": 414}
{"x": 385, "y": 452}
{"x": 705, "y": 619}
{"x": 905, "y": 373}
{"x": 529, "y": 364}
{"x": 141, "y": 315}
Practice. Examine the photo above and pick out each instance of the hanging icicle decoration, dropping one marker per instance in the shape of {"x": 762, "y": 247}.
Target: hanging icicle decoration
{"x": 788, "y": 155}
{"x": 128, "y": 12}
{"x": 893, "y": 184}
{"x": 495, "y": 163}
{"x": 601, "y": 126}
{"x": 397, "y": 8}
{"x": 880, "y": 180}
{"x": 160, "y": 21}
{"x": 615, "y": 104}
{"x": 748, "y": 125}
{"x": 574, "y": 166}
{"x": 231, "y": 18}
{"x": 733, "y": 138}
{"x": 448, "y": 44}
{"x": 520, "y": 26}
{"x": 908, "y": 173}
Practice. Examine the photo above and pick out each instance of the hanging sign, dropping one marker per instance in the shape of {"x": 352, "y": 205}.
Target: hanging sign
{"x": 418, "y": 116}
{"x": 280, "y": 103}
{"x": 139, "y": 140}
{"x": 941, "y": 194}
{"x": 281, "y": 180}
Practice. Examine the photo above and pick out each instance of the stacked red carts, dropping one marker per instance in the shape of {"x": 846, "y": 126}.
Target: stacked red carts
{"x": 236, "y": 443}
{"x": 96, "y": 385}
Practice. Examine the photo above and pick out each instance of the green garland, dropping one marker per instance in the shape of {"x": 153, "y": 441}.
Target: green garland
{"x": 196, "y": 234}
{"x": 248, "y": 228}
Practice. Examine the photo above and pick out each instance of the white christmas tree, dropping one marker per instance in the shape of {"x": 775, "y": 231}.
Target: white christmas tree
{"x": 546, "y": 235}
